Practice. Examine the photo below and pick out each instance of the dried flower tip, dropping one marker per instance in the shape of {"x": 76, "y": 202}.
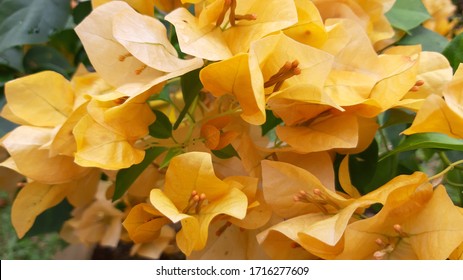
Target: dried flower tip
{"x": 398, "y": 228}
{"x": 121, "y": 100}
{"x": 122, "y": 57}
{"x": 139, "y": 70}
{"x": 419, "y": 83}
{"x": 199, "y": 202}
{"x": 379, "y": 255}
{"x": 380, "y": 242}
{"x": 246, "y": 17}
{"x": 417, "y": 86}
{"x": 317, "y": 192}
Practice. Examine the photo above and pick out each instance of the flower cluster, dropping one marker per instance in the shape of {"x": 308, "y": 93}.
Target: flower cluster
{"x": 226, "y": 128}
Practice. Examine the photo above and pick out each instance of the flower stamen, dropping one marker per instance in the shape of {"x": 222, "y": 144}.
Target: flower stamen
{"x": 305, "y": 197}
{"x": 288, "y": 70}
{"x": 381, "y": 254}
{"x": 417, "y": 86}
{"x": 233, "y": 17}
{"x": 398, "y": 228}
{"x": 195, "y": 201}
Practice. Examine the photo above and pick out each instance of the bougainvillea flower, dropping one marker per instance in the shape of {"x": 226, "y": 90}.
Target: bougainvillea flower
{"x": 268, "y": 70}
{"x": 144, "y": 223}
{"x": 24, "y": 144}
{"x": 215, "y": 137}
{"x": 216, "y": 79}
{"x": 193, "y": 196}
{"x": 34, "y": 198}
{"x": 282, "y": 240}
{"x": 434, "y": 73}
{"x": 314, "y": 212}
{"x": 117, "y": 37}
{"x": 415, "y": 223}
{"x": 441, "y": 12}
{"x": 213, "y": 37}
{"x": 98, "y": 223}
{"x": 233, "y": 243}
{"x": 106, "y": 136}
{"x": 439, "y": 115}
{"x": 368, "y": 14}
{"x": 154, "y": 249}
{"x": 372, "y": 83}
{"x": 282, "y": 182}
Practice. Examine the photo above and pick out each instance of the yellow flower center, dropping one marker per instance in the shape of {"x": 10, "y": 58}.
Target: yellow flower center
{"x": 317, "y": 198}
{"x": 288, "y": 70}
{"x": 417, "y": 85}
{"x": 195, "y": 202}
{"x": 233, "y": 17}
{"x": 387, "y": 247}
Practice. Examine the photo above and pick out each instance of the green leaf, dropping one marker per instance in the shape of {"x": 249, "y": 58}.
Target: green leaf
{"x": 407, "y": 14}
{"x": 386, "y": 170}
{"x": 171, "y": 153}
{"x": 52, "y": 219}
{"x": 397, "y": 116}
{"x": 454, "y": 52}
{"x": 81, "y": 11}
{"x": 429, "y": 40}
{"x": 270, "y": 122}
{"x": 40, "y": 58}
{"x": 227, "y": 152}
{"x": 67, "y": 42}
{"x": 191, "y": 86}
{"x": 161, "y": 128}
{"x": 426, "y": 140}
{"x": 126, "y": 177}
{"x": 362, "y": 166}
{"x": 30, "y": 22}
{"x": 454, "y": 184}
{"x": 12, "y": 58}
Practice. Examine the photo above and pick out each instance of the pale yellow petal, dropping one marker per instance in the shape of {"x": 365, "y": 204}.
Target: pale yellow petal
{"x": 24, "y": 145}
{"x": 43, "y": 99}
{"x": 323, "y": 134}
{"x": 200, "y": 41}
{"x": 216, "y": 79}
{"x": 31, "y": 201}
{"x": 100, "y": 147}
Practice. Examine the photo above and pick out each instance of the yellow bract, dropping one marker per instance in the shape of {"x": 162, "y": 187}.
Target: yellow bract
{"x": 117, "y": 37}
{"x": 192, "y": 195}
{"x": 49, "y": 100}
{"x": 201, "y": 36}
{"x": 410, "y": 226}
{"x": 439, "y": 115}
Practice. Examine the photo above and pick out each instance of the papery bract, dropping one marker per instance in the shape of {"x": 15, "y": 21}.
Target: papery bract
{"x": 201, "y": 37}
{"x": 117, "y": 37}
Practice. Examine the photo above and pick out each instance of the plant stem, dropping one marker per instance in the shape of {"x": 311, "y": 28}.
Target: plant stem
{"x": 446, "y": 170}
